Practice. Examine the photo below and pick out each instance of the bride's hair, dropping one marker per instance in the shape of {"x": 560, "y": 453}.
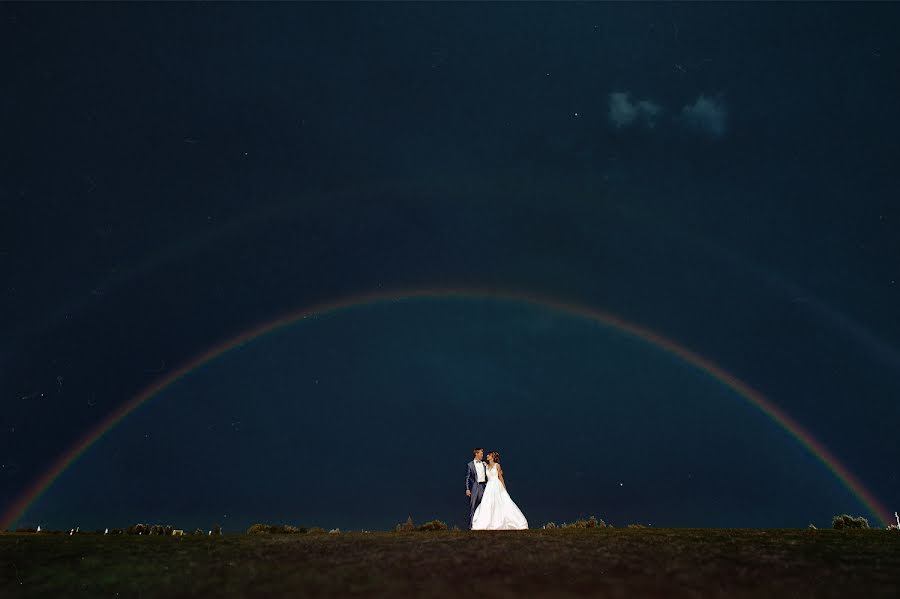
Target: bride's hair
{"x": 496, "y": 457}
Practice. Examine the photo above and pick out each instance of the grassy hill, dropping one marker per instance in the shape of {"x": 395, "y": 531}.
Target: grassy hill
{"x": 602, "y": 562}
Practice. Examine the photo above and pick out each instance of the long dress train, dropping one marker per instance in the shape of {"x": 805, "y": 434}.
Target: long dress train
{"x": 497, "y": 510}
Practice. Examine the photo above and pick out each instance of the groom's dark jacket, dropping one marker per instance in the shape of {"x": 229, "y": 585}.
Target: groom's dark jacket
{"x": 472, "y": 476}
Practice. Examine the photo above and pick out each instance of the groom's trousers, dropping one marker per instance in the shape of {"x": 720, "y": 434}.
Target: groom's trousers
{"x": 475, "y": 499}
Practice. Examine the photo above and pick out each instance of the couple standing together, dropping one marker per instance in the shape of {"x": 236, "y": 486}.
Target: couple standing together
{"x": 490, "y": 506}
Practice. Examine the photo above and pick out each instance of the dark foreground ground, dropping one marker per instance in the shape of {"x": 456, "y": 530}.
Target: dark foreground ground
{"x": 600, "y": 563}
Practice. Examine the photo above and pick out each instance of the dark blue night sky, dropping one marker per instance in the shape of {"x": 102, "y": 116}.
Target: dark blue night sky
{"x": 172, "y": 175}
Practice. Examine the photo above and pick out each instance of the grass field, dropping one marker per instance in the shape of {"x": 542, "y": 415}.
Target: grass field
{"x": 551, "y": 563}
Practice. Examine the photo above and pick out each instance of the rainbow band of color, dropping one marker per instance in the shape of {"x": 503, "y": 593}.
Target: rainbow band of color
{"x": 604, "y": 318}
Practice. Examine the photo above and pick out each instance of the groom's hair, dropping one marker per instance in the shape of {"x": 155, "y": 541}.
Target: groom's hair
{"x": 477, "y": 449}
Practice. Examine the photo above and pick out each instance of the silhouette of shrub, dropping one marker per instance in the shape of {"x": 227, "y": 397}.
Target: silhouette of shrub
{"x": 407, "y": 526}
{"x": 199, "y": 533}
{"x": 591, "y": 522}
{"x": 811, "y": 526}
{"x": 274, "y": 529}
{"x": 261, "y": 529}
{"x": 315, "y": 530}
{"x": 549, "y": 525}
{"x": 137, "y": 529}
{"x": 433, "y": 525}
{"x": 845, "y": 522}
{"x": 636, "y": 526}
{"x": 217, "y": 529}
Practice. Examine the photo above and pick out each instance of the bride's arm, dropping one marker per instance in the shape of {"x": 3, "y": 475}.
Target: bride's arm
{"x": 500, "y": 474}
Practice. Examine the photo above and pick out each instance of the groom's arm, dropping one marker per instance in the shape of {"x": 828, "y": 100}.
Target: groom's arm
{"x": 468, "y": 479}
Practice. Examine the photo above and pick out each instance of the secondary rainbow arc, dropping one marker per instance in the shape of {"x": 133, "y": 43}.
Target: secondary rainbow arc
{"x": 755, "y": 398}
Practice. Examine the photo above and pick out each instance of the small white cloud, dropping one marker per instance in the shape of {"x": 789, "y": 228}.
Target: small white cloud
{"x": 623, "y": 112}
{"x": 707, "y": 115}
{"x": 649, "y": 111}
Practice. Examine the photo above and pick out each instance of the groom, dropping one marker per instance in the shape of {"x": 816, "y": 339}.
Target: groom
{"x": 476, "y": 478}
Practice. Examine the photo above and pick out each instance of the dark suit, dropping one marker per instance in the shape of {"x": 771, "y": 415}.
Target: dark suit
{"x": 474, "y": 487}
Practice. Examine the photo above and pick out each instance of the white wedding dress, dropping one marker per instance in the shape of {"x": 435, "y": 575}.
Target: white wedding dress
{"x": 497, "y": 510}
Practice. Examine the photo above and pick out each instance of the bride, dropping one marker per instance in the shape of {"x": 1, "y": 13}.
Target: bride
{"x": 497, "y": 511}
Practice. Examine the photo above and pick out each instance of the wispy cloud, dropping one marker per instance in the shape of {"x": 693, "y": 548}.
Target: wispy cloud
{"x": 623, "y": 112}
{"x": 707, "y": 115}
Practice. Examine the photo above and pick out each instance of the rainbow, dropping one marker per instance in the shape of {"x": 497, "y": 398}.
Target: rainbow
{"x": 755, "y": 398}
